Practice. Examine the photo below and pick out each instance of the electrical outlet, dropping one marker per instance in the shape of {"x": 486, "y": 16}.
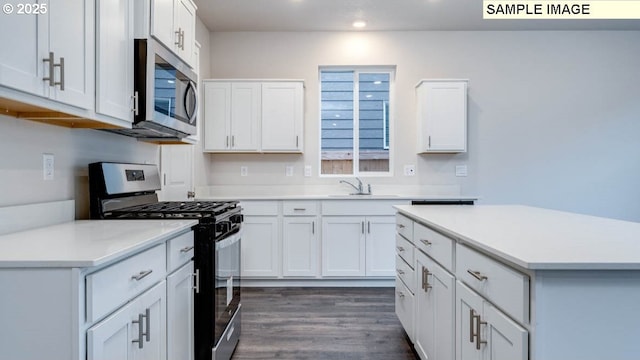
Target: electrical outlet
{"x": 307, "y": 170}
{"x": 244, "y": 170}
{"x": 47, "y": 166}
{"x": 461, "y": 170}
{"x": 289, "y": 171}
{"x": 409, "y": 170}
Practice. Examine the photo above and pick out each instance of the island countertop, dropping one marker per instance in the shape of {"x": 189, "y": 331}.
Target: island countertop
{"x": 85, "y": 243}
{"x": 535, "y": 238}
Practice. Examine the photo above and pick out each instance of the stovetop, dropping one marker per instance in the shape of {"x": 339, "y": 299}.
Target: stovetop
{"x": 177, "y": 210}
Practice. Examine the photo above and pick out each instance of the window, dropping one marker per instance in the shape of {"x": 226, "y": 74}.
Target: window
{"x": 355, "y": 121}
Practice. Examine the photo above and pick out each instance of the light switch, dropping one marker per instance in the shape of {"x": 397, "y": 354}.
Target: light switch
{"x": 409, "y": 170}
{"x": 461, "y": 170}
{"x": 244, "y": 170}
{"x": 47, "y": 166}
{"x": 289, "y": 171}
{"x": 307, "y": 170}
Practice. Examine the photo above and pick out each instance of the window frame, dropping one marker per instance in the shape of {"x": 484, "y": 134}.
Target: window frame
{"x": 357, "y": 70}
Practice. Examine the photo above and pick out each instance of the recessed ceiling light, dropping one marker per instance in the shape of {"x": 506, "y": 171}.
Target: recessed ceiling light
{"x": 337, "y": 115}
{"x": 377, "y": 82}
{"x": 359, "y": 24}
{"x": 368, "y": 95}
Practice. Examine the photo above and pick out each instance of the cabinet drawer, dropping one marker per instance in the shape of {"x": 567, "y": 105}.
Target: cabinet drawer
{"x": 434, "y": 244}
{"x": 405, "y": 308}
{"x": 113, "y": 286}
{"x": 360, "y": 207}
{"x": 405, "y": 249}
{"x": 404, "y": 227}
{"x": 179, "y": 251}
{"x": 259, "y": 208}
{"x": 503, "y": 286}
{"x": 406, "y": 274}
{"x": 299, "y": 208}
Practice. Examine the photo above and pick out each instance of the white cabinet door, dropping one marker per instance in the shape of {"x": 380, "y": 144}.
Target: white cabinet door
{"x": 484, "y": 332}
{"x": 180, "y": 314}
{"x": 26, "y": 44}
{"x": 442, "y": 115}
{"x": 162, "y": 22}
{"x": 114, "y": 54}
{"x": 282, "y": 116}
{"x": 300, "y": 246}
{"x": 435, "y": 320}
{"x": 176, "y": 165}
{"x": 343, "y": 246}
{"x": 468, "y": 305}
{"x": 185, "y": 22}
{"x": 71, "y": 37}
{"x": 260, "y": 247}
{"x": 245, "y": 116}
{"x": 135, "y": 331}
{"x": 217, "y": 115}
{"x": 66, "y": 29}
{"x": 506, "y": 340}
{"x": 380, "y": 246}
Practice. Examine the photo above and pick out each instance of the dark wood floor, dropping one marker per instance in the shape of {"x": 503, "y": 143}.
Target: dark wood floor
{"x": 321, "y": 324}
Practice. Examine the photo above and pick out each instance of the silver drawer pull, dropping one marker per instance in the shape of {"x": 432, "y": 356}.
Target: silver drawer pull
{"x": 426, "y": 242}
{"x": 186, "y": 249}
{"x": 400, "y": 294}
{"x": 401, "y": 272}
{"x": 400, "y": 226}
{"x": 477, "y": 275}
{"x": 299, "y": 209}
{"x": 400, "y": 248}
{"x": 141, "y": 275}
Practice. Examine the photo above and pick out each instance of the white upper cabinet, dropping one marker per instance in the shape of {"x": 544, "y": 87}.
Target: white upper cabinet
{"x": 231, "y": 116}
{"x": 174, "y": 24}
{"x": 282, "y": 116}
{"x": 442, "y": 116}
{"x": 253, "y": 116}
{"x": 114, "y": 59}
{"x": 52, "y": 53}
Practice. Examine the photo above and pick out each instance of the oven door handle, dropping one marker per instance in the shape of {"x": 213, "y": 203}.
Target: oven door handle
{"x": 229, "y": 241}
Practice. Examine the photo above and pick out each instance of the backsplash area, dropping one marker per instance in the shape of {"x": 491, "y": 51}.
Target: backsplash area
{"x": 22, "y": 144}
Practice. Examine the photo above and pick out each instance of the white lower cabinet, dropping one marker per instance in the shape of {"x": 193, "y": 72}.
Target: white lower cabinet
{"x": 358, "y": 246}
{"x": 260, "y": 247}
{"x": 180, "y": 337}
{"x": 300, "y": 246}
{"x": 136, "y": 331}
{"x": 434, "y": 329}
{"x": 405, "y": 305}
{"x": 484, "y": 332}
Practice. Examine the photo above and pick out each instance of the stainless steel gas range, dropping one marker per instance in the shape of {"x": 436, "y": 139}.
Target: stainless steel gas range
{"x": 128, "y": 191}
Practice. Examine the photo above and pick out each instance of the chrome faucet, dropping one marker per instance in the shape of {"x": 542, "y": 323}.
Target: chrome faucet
{"x": 359, "y": 188}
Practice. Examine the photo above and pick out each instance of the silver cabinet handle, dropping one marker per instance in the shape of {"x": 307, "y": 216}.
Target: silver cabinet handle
{"x": 296, "y": 141}
{"x": 182, "y": 40}
{"x": 426, "y": 242}
{"x": 399, "y": 271}
{"x": 227, "y": 141}
{"x": 50, "y": 77}
{"x": 141, "y": 333}
{"x": 136, "y": 104}
{"x": 313, "y": 227}
{"x": 196, "y": 281}
{"x": 363, "y": 227}
{"x": 61, "y": 66}
{"x": 477, "y": 274}
{"x": 400, "y": 226}
{"x": 233, "y": 141}
{"x": 186, "y": 249}
{"x": 425, "y": 279}
{"x": 141, "y": 275}
{"x": 400, "y": 294}
{"x": 178, "y": 34}
{"x": 429, "y": 141}
{"x": 299, "y": 209}
{"x": 147, "y": 315}
{"x": 368, "y": 227}
{"x": 476, "y": 334}
{"x": 400, "y": 248}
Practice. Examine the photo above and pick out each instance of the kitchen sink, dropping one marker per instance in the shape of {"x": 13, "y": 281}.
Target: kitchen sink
{"x": 363, "y": 196}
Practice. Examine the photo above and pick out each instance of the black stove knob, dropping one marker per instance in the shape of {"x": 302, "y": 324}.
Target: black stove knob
{"x": 222, "y": 227}
{"x": 237, "y": 218}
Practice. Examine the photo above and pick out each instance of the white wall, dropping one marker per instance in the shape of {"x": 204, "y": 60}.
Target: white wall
{"x": 23, "y": 142}
{"x": 553, "y": 116}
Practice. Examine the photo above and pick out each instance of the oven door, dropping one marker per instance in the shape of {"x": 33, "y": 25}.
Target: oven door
{"x": 227, "y": 282}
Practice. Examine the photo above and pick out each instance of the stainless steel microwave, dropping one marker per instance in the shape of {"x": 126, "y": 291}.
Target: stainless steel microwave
{"x": 166, "y": 94}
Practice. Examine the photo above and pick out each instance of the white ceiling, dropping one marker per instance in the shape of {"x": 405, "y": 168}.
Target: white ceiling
{"x": 380, "y": 15}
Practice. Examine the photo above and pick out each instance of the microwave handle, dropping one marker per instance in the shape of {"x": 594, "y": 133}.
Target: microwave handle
{"x": 191, "y": 87}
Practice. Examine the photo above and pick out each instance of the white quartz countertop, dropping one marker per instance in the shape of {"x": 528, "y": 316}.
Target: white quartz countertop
{"x": 536, "y": 238}
{"x": 85, "y": 243}
{"x": 338, "y": 197}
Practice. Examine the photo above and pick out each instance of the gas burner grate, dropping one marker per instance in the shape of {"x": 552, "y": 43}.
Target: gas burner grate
{"x": 175, "y": 209}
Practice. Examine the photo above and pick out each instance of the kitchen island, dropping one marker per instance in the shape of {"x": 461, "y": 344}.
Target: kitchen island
{"x": 517, "y": 282}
